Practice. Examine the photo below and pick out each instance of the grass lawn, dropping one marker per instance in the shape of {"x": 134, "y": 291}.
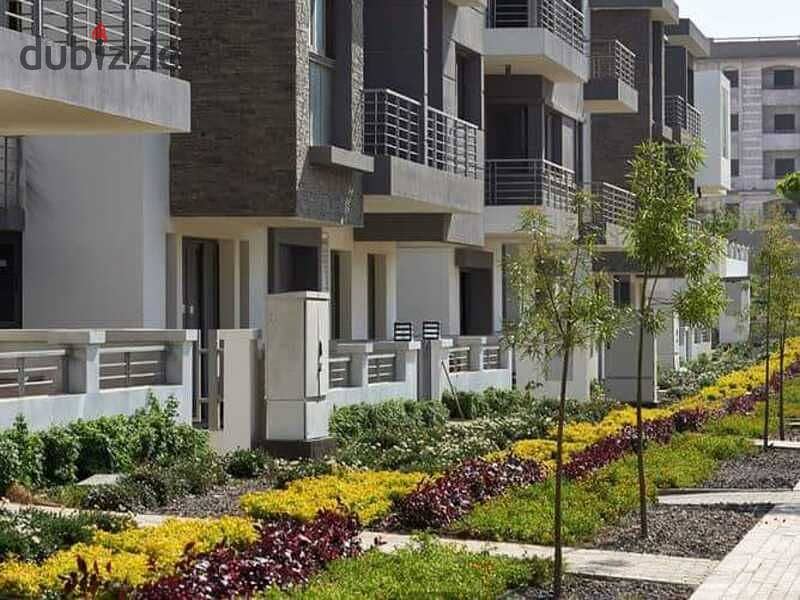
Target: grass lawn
{"x": 526, "y": 514}
{"x": 752, "y": 426}
{"x": 430, "y": 570}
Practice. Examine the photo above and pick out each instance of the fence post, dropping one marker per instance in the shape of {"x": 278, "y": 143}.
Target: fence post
{"x": 359, "y": 367}
{"x": 37, "y": 27}
{"x": 475, "y": 346}
{"x": 83, "y": 364}
{"x": 178, "y": 369}
{"x": 212, "y": 365}
{"x": 154, "y": 35}
{"x": 70, "y": 22}
{"x": 3, "y": 17}
{"x": 127, "y": 30}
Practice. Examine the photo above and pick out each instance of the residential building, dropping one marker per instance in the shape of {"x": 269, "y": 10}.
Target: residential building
{"x": 764, "y": 75}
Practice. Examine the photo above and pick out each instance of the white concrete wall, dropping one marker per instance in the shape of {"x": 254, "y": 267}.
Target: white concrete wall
{"x": 713, "y": 98}
{"x": 546, "y": 379}
{"x": 94, "y": 245}
{"x": 428, "y": 287}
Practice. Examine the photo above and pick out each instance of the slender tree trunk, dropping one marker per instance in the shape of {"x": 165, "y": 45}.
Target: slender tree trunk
{"x": 558, "y": 564}
{"x": 639, "y": 424}
{"x": 781, "y": 429}
{"x": 766, "y": 368}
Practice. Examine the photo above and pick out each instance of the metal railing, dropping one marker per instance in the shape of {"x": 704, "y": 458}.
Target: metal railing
{"x": 459, "y": 360}
{"x": 533, "y": 181}
{"x": 452, "y": 144}
{"x": 33, "y": 373}
{"x": 132, "y": 366}
{"x": 10, "y": 166}
{"x": 144, "y": 34}
{"x": 681, "y": 114}
{"x": 392, "y": 124}
{"x": 382, "y": 368}
{"x": 491, "y": 357}
{"x": 339, "y": 371}
{"x": 613, "y": 204}
{"x": 557, "y": 16}
{"x": 613, "y": 60}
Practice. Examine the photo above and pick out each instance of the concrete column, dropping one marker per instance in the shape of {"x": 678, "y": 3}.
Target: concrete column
{"x": 84, "y": 369}
{"x": 359, "y": 369}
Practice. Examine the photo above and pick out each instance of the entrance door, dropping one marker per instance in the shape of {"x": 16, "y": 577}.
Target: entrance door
{"x": 201, "y": 299}
{"x": 10, "y": 280}
{"x": 475, "y": 291}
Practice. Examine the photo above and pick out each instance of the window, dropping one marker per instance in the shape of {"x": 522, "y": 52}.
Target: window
{"x": 733, "y": 77}
{"x": 322, "y": 33}
{"x": 734, "y": 122}
{"x": 462, "y": 69}
{"x": 784, "y": 122}
{"x": 725, "y": 120}
{"x": 783, "y": 167}
{"x": 622, "y": 291}
{"x": 784, "y": 78}
{"x": 735, "y": 167}
{"x": 321, "y": 69}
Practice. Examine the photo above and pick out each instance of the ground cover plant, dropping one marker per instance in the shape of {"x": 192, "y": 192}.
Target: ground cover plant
{"x": 429, "y": 570}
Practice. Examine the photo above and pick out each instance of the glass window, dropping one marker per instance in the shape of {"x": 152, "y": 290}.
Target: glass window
{"x": 733, "y": 77}
{"x": 622, "y": 291}
{"x": 735, "y": 167}
{"x": 318, "y": 28}
{"x": 784, "y": 78}
{"x": 734, "y": 122}
{"x": 784, "y": 122}
{"x": 321, "y": 106}
{"x": 783, "y": 167}
{"x": 726, "y": 131}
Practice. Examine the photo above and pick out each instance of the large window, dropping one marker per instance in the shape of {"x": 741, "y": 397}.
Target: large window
{"x": 783, "y": 167}
{"x": 784, "y": 78}
{"x": 622, "y": 291}
{"x": 784, "y": 122}
{"x": 735, "y": 167}
{"x": 322, "y": 67}
{"x": 734, "y": 122}
{"x": 726, "y": 119}
{"x": 733, "y": 77}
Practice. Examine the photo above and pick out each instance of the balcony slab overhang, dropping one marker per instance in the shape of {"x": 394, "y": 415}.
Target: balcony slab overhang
{"x": 662, "y": 133}
{"x": 503, "y": 221}
{"x": 465, "y": 230}
{"x": 610, "y": 96}
{"x": 403, "y": 186}
{"x": 91, "y": 101}
{"x": 687, "y": 35}
{"x": 666, "y": 11}
{"x": 333, "y": 156}
{"x": 533, "y": 51}
{"x": 479, "y": 4}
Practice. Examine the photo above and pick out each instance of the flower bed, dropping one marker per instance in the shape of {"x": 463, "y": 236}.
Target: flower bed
{"x": 367, "y": 494}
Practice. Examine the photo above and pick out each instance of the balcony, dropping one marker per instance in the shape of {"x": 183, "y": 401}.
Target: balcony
{"x": 425, "y": 160}
{"x": 12, "y": 215}
{"x": 543, "y": 38}
{"x": 684, "y": 119}
{"x": 612, "y": 87}
{"x": 614, "y": 211}
{"x": 512, "y": 184}
{"x": 74, "y": 67}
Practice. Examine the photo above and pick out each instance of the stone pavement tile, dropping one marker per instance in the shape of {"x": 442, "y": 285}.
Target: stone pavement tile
{"x": 734, "y": 497}
{"x": 781, "y": 445}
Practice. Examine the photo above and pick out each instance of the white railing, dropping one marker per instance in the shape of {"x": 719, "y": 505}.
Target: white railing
{"x": 382, "y": 368}
{"x": 557, "y": 16}
{"x": 613, "y": 60}
{"x": 392, "y": 124}
{"x": 466, "y": 363}
{"x": 339, "y": 371}
{"x": 143, "y": 33}
{"x": 459, "y": 359}
{"x": 681, "y": 114}
{"x": 452, "y": 144}
{"x": 613, "y": 204}
{"x": 738, "y": 251}
{"x": 132, "y": 366}
{"x": 33, "y": 373}
{"x": 10, "y": 168}
{"x": 491, "y": 357}
{"x": 534, "y": 181}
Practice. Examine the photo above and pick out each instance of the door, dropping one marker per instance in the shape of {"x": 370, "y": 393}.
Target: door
{"x": 475, "y": 291}
{"x": 10, "y": 280}
{"x": 201, "y": 298}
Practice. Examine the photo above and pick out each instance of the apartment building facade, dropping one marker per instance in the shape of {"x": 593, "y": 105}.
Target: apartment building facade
{"x": 764, "y": 75}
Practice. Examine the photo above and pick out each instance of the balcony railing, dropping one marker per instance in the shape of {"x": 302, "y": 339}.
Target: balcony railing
{"x": 681, "y": 114}
{"x": 738, "y": 251}
{"x": 143, "y": 33}
{"x": 10, "y": 163}
{"x": 613, "y": 204}
{"x": 557, "y": 16}
{"x": 613, "y": 60}
{"x": 535, "y": 181}
{"x": 394, "y": 126}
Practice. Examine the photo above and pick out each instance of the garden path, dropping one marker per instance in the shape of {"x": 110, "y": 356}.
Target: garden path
{"x": 598, "y": 563}
{"x": 780, "y": 445}
{"x": 788, "y": 497}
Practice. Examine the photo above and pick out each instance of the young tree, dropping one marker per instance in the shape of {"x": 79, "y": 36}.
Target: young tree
{"x": 665, "y": 241}
{"x": 776, "y": 303}
{"x": 563, "y": 304}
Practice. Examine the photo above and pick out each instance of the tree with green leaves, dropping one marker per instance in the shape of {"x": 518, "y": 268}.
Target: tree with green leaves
{"x": 776, "y": 303}
{"x": 664, "y": 240}
{"x": 563, "y": 304}
{"x": 789, "y": 187}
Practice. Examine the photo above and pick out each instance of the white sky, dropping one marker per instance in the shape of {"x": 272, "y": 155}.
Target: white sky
{"x": 744, "y": 18}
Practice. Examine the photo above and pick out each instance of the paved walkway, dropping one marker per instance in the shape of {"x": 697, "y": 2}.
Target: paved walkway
{"x": 140, "y": 520}
{"x": 734, "y": 497}
{"x": 599, "y": 563}
{"x": 785, "y": 445}
{"x": 765, "y": 565}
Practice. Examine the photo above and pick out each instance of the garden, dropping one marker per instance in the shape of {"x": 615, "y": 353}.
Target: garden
{"x": 477, "y": 466}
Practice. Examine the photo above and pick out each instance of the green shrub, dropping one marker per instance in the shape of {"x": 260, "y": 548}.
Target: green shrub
{"x": 34, "y": 535}
{"x": 246, "y": 464}
{"x": 431, "y": 570}
{"x": 385, "y": 423}
{"x": 61, "y": 453}
{"x": 119, "y": 497}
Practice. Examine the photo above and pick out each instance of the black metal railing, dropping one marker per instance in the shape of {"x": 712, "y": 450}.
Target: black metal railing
{"x": 396, "y": 125}
{"x": 142, "y": 33}
{"x": 10, "y": 166}
{"x": 613, "y": 60}
{"x": 613, "y": 204}
{"x": 681, "y": 114}
{"x": 557, "y": 16}
{"x": 529, "y": 182}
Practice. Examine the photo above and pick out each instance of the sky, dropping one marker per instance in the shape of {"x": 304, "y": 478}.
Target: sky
{"x": 744, "y": 18}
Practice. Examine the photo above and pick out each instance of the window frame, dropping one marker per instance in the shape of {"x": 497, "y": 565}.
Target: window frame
{"x": 786, "y": 86}
{"x": 778, "y": 174}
